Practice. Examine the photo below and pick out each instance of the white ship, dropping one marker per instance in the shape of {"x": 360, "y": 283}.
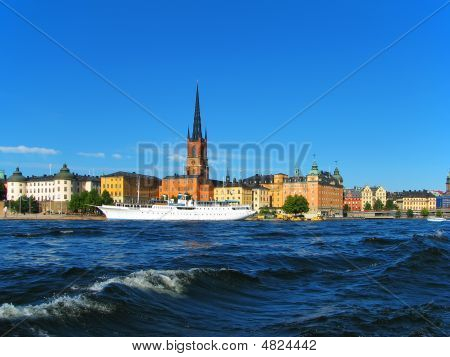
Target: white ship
{"x": 183, "y": 210}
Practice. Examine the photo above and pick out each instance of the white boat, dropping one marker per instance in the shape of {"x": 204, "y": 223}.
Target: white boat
{"x": 436, "y": 219}
{"x": 183, "y": 210}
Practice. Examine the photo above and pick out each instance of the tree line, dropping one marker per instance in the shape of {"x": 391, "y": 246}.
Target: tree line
{"x": 83, "y": 202}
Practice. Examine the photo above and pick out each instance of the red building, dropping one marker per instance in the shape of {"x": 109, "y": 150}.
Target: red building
{"x": 352, "y": 198}
{"x": 196, "y": 181}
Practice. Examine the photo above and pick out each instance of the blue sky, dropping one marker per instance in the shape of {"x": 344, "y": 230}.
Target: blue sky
{"x": 257, "y": 63}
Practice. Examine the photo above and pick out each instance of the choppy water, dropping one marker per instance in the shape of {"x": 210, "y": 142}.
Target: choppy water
{"x": 342, "y": 278}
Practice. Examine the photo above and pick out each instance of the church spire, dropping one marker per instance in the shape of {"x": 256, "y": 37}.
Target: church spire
{"x": 197, "y": 129}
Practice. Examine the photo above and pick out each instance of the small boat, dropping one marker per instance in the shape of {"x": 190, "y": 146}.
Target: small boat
{"x": 436, "y": 219}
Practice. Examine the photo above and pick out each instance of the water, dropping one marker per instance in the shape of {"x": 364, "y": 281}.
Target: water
{"x": 341, "y": 278}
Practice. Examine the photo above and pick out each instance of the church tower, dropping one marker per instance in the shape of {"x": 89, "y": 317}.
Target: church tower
{"x": 197, "y": 150}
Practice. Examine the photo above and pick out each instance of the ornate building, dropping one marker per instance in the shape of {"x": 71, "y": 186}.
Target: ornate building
{"x": 51, "y": 191}
{"x": 196, "y": 181}
{"x": 323, "y": 190}
{"x": 369, "y": 195}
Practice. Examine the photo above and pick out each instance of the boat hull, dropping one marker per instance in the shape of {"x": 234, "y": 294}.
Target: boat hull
{"x": 174, "y": 213}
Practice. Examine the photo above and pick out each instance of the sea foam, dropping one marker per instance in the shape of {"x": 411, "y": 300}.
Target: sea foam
{"x": 57, "y": 307}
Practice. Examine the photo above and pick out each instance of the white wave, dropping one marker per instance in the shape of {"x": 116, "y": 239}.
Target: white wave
{"x": 168, "y": 281}
{"x": 58, "y": 307}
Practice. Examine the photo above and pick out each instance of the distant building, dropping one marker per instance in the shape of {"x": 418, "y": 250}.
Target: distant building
{"x": 352, "y": 198}
{"x": 322, "y": 190}
{"x": 371, "y": 195}
{"x": 195, "y": 182}
{"x": 50, "y": 188}
{"x": 239, "y": 192}
{"x": 443, "y": 201}
{"x": 415, "y": 200}
{"x": 447, "y": 184}
{"x": 234, "y": 192}
{"x": 274, "y": 183}
{"x": 260, "y": 197}
{"x": 123, "y": 187}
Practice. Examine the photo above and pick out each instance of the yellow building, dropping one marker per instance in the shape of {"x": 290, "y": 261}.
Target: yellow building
{"x": 260, "y": 198}
{"x": 123, "y": 187}
{"x": 274, "y": 183}
{"x": 369, "y": 195}
{"x": 235, "y": 192}
{"x": 415, "y": 200}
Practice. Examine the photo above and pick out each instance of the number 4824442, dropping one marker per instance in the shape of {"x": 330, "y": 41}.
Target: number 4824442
{"x": 280, "y": 345}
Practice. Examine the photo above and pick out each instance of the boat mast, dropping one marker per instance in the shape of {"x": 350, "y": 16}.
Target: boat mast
{"x": 138, "y": 187}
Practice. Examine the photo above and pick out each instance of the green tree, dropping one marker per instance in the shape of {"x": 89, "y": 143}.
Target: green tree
{"x": 346, "y": 209}
{"x": 94, "y": 198}
{"x": 410, "y": 213}
{"x": 2, "y": 191}
{"x": 378, "y": 205}
{"x": 439, "y": 213}
{"x": 424, "y": 212}
{"x": 296, "y": 204}
{"x": 75, "y": 203}
{"x": 106, "y": 198}
{"x": 367, "y": 207}
{"x": 25, "y": 204}
{"x": 398, "y": 214}
{"x": 84, "y": 202}
{"x": 390, "y": 205}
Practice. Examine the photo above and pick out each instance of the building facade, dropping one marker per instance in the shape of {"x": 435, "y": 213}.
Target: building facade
{"x": 443, "y": 201}
{"x": 415, "y": 200}
{"x": 369, "y": 195}
{"x": 234, "y": 192}
{"x": 324, "y": 191}
{"x": 260, "y": 198}
{"x": 274, "y": 185}
{"x": 51, "y": 188}
{"x": 352, "y": 198}
{"x": 195, "y": 182}
{"x": 130, "y": 187}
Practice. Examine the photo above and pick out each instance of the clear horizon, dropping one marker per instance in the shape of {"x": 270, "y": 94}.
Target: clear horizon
{"x": 257, "y": 67}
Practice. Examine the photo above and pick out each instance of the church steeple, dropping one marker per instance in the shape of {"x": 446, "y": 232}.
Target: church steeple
{"x": 197, "y": 146}
{"x": 197, "y": 129}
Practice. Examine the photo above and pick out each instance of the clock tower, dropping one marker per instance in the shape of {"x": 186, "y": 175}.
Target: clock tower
{"x": 197, "y": 146}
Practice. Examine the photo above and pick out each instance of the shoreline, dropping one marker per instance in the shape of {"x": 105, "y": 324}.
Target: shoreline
{"x": 63, "y": 217}
{"x": 50, "y": 217}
